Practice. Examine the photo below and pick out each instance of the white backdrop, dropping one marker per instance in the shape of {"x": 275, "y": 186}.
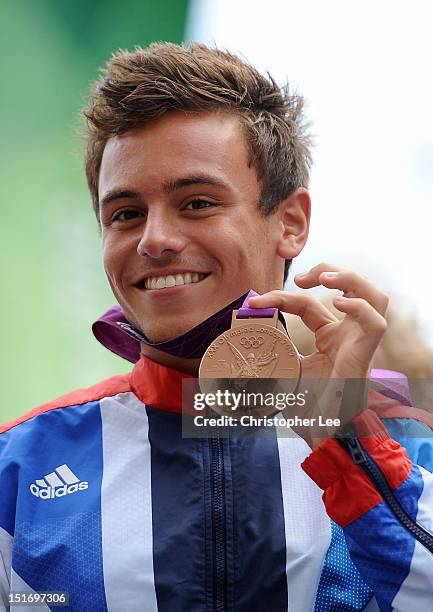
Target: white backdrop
{"x": 366, "y": 71}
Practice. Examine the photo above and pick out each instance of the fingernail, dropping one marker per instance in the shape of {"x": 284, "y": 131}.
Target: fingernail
{"x": 301, "y": 274}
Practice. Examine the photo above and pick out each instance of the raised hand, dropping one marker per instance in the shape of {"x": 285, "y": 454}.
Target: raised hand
{"x": 345, "y": 348}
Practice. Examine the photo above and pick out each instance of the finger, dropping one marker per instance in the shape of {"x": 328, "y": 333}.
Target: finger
{"x": 310, "y": 279}
{"x": 355, "y": 285}
{"x": 352, "y": 284}
{"x": 312, "y": 312}
{"x": 371, "y": 322}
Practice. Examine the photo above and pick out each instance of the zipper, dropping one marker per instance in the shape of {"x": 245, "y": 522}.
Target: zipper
{"x": 361, "y": 457}
{"x": 218, "y": 523}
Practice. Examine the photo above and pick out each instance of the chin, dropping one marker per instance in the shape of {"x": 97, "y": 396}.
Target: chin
{"x": 156, "y": 336}
{"x": 162, "y": 331}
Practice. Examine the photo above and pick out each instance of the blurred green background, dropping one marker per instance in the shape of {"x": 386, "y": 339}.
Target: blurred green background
{"x": 53, "y": 284}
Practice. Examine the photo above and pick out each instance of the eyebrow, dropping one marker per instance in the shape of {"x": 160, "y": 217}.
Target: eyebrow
{"x": 118, "y": 194}
{"x": 196, "y": 179}
{"x": 168, "y": 187}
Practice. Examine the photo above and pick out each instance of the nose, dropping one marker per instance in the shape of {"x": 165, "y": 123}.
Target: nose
{"x": 161, "y": 235}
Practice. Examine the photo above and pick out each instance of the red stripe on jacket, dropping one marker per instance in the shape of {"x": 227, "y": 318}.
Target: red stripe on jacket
{"x": 106, "y": 388}
{"x": 154, "y": 384}
{"x": 348, "y": 492}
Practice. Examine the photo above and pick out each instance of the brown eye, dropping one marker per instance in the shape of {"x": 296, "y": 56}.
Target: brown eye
{"x": 198, "y": 205}
{"x": 126, "y": 215}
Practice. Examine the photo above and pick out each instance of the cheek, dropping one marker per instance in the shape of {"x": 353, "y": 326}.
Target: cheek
{"x": 107, "y": 255}
{"x": 262, "y": 251}
{"x": 115, "y": 256}
{"x": 258, "y": 239}
{"x": 241, "y": 245}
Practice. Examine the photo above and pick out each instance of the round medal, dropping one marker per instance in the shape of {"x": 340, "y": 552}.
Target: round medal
{"x": 253, "y": 359}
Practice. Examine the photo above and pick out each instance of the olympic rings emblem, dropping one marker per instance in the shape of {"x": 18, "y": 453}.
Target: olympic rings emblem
{"x": 252, "y": 342}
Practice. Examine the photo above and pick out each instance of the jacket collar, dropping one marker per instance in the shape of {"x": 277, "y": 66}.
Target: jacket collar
{"x": 158, "y": 386}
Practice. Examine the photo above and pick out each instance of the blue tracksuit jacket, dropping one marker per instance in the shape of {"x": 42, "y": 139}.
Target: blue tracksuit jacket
{"x": 102, "y": 497}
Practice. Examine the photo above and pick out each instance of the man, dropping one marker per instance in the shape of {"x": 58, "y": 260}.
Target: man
{"x": 198, "y": 170}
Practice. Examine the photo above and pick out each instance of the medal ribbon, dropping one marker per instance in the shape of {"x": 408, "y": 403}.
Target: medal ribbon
{"x": 245, "y": 312}
{"x": 115, "y": 332}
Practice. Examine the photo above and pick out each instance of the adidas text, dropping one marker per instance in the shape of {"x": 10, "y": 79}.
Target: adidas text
{"x": 52, "y": 492}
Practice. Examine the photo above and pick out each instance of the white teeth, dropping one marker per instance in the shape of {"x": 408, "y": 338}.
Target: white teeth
{"x": 171, "y": 280}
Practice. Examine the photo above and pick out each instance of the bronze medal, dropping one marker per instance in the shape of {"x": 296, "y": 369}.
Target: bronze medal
{"x": 253, "y": 356}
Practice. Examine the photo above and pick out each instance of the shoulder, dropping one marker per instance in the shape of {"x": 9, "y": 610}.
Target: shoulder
{"x": 105, "y": 388}
{"x": 411, "y": 427}
{"x": 388, "y": 406}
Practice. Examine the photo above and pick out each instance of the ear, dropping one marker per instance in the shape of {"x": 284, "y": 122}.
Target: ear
{"x": 294, "y": 214}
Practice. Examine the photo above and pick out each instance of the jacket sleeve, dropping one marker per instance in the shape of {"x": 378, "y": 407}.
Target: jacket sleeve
{"x": 8, "y": 488}
{"x": 5, "y": 568}
{"x": 397, "y": 565}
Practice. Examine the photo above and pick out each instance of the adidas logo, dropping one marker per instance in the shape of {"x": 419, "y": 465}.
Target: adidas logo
{"x": 59, "y": 483}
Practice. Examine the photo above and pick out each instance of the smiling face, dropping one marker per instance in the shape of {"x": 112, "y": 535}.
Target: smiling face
{"x": 181, "y": 229}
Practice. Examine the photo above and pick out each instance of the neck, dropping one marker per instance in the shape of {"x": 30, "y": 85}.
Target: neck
{"x": 181, "y": 364}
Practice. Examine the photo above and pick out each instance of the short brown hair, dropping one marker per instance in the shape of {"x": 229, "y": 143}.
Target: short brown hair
{"x": 144, "y": 84}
